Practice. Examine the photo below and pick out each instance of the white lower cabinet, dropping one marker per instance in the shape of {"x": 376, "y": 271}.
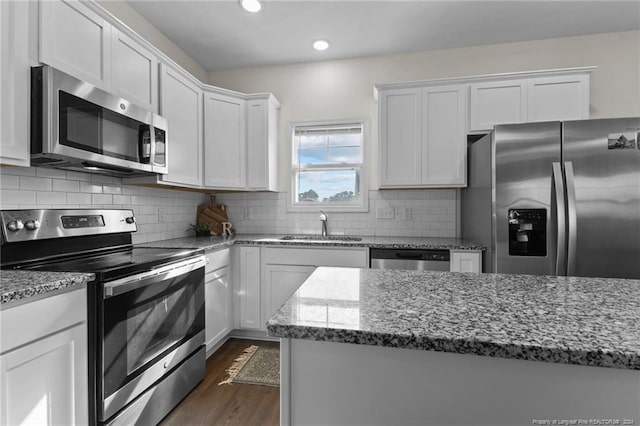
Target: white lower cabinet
{"x": 284, "y": 269}
{"x": 248, "y": 290}
{"x": 466, "y": 261}
{"x": 43, "y": 363}
{"x": 280, "y": 282}
{"x": 218, "y": 298}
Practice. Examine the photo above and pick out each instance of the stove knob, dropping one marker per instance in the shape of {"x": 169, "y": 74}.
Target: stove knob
{"x": 131, "y": 219}
{"x": 15, "y": 225}
{"x": 32, "y": 225}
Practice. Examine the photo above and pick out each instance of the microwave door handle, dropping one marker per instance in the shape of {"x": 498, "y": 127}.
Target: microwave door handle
{"x": 572, "y": 219}
{"x": 125, "y": 285}
{"x": 560, "y": 204}
{"x": 152, "y": 140}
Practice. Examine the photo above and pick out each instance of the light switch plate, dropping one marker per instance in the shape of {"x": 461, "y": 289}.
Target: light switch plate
{"x": 248, "y": 213}
{"x": 385, "y": 213}
{"x": 405, "y": 213}
{"x": 161, "y": 214}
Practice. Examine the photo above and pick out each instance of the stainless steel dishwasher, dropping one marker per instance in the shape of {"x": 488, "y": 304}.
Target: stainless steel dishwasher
{"x": 414, "y": 259}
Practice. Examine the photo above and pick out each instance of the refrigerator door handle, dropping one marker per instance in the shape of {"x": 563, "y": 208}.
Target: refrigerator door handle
{"x": 561, "y": 246}
{"x": 572, "y": 219}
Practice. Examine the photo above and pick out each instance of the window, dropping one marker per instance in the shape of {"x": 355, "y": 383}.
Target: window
{"x": 328, "y": 168}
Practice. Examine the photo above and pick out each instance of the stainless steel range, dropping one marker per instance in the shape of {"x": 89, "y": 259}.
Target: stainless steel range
{"x": 146, "y": 306}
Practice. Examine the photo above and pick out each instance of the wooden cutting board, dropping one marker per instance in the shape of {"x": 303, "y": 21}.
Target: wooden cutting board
{"x": 212, "y": 215}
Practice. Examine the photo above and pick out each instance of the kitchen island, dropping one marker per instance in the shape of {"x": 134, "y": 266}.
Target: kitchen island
{"x": 362, "y": 346}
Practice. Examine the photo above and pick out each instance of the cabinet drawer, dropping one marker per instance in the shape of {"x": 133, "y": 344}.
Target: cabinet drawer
{"x": 217, "y": 259}
{"x": 356, "y": 258}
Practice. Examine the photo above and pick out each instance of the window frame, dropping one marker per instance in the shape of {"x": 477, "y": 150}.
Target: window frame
{"x": 293, "y": 205}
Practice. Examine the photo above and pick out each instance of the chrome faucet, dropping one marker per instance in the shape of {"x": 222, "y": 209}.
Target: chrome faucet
{"x": 323, "y": 219}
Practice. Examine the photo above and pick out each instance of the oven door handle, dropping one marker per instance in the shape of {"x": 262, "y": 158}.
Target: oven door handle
{"x": 125, "y": 285}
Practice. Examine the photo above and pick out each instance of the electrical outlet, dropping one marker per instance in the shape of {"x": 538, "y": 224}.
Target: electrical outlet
{"x": 161, "y": 214}
{"x": 248, "y": 213}
{"x": 405, "y": 213}
{"x": 385, "y": 213}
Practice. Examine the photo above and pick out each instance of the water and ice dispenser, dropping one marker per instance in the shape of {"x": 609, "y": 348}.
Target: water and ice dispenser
{"x": 527, "y": 232}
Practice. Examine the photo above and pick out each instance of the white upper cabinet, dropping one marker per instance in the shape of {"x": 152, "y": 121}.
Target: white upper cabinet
{"x": 15, "y": 83}
{"x": 558, "y": 98}
{"x": 422, "y": 138}
{"x": 224, "y": 141}
{"x": 181, "y": 105}
{"x": 240, "y": 141}
{"x": 536, "y": 96}
{"x": 134, "y": 71}
{"x": 76, "y": 40}
{"x": 444, "y": 142}
{"x": 262, "y": 143}
{"x": 497, "y": 102}
{"x": 400, "y": 137}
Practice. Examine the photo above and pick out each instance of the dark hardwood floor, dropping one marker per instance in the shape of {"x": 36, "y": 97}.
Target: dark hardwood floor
{"x": 234, "y": 404}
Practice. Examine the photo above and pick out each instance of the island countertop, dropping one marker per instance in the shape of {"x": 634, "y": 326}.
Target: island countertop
{"x": 570, "y": 320}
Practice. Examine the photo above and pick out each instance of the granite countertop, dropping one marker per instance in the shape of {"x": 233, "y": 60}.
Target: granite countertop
{"x": 570, "y": 320}
{"x": 211, "y": 243}
{"x": 17, "y": 285}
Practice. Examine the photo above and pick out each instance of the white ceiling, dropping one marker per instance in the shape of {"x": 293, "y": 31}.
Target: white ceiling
{"x": 219, "y": 34}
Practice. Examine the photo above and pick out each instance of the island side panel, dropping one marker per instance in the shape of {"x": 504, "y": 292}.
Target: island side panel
{"x": 285, "y": 382}
{"x": 337, "y": 383}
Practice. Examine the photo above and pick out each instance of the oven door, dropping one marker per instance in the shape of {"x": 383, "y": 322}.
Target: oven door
{"x": 151, "y": 322}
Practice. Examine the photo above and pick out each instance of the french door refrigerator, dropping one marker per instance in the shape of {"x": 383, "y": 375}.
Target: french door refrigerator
{"x": 557, "y": 198}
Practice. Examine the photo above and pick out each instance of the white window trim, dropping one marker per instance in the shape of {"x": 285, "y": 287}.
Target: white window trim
{"x": 364, "y": 170}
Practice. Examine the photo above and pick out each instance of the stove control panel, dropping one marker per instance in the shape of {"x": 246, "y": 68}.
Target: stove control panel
{"x": 27, "y": 225}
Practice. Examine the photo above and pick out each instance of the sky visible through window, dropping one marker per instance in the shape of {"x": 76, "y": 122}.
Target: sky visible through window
{"x": 329, "y": 165}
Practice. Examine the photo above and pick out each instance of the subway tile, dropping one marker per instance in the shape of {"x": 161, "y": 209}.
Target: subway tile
{"x": 78, "y": 198}
{"x": 102, "y": 199}
{"x": 34, "y": 183}
{"x": 130, "y": 190}
{"x": 85, "y": 177}
{"x": 122, "y": 199}
{"x": 8, "y": 182}
{"x": 111, "y": 189}
{"x": 91, "y": 188}
{"x": 54, "y": 198}
{"x": 50, "y": 173}
{"x": 98, "y": 178}
{"x": 19, "y": 171}
{"x": 10, "y": 196}
{"x": 64, "y": 185}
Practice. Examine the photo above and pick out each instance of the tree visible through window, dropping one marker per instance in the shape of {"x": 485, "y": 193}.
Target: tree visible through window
{"x": 327, "y": 165}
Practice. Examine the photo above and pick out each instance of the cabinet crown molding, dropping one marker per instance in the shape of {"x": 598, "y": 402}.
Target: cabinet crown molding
{"x": 485, "y": 77}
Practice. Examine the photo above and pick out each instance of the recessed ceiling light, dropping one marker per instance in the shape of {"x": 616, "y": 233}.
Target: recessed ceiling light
{"x": 251, "y": 5}
{"x": 321, "y": 44}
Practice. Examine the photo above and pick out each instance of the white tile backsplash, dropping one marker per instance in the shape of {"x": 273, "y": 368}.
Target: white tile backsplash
{"x": 433, "y": 214}
{"x": 37, "y": 187}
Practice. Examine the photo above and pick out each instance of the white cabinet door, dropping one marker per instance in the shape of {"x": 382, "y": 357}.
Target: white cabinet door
{"x": 466, "y": 261}
{"x": 14, "y": 83}
{"x": 224, "y": 141}
{"x": 217, "y": 294}
{"x": 400, "y": 137}
{"x": 280, "y": 282}
{"x": 249, "y": 288}
{"x": 45, "y": 382}
{"x": 134, "y": 72}
{"x": 262, "y": 144}
{"x": 497, "y": 102}
{"x": 444, "y": 143}
{"x": 76, "y": 40}
{"x": 558, "y": 98}
{"x": 181, "y": 105}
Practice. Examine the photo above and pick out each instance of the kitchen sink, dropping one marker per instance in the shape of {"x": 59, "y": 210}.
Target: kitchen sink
{"x": 319, "y": 238}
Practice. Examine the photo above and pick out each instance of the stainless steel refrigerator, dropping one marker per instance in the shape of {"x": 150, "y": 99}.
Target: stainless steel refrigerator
{"x": 556, "y": 198}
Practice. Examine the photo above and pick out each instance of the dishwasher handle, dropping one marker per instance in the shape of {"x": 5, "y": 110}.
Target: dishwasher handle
{"x": 408, "y": 256}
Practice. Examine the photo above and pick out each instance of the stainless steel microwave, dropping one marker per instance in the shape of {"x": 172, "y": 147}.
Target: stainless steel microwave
{"x": 77, "y": 126}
